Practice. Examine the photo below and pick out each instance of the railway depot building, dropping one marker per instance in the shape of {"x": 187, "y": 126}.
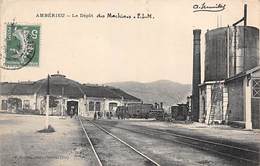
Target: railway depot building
{"x": 65, "y": 95}
{"x": 230, "y": 92}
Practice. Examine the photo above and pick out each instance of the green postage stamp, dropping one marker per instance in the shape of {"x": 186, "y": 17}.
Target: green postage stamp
{"x": 22, "y": 45}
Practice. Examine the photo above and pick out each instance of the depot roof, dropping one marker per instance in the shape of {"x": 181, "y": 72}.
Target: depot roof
{"x": 62, "y": 86}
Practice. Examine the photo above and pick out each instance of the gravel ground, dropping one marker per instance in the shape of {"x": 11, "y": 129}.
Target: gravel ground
{"x": 22, "y": 144}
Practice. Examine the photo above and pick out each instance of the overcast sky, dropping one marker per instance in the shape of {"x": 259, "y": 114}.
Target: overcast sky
{"x": 94, "y": 50}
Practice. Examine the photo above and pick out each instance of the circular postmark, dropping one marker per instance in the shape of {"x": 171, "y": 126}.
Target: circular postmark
{"x": 22, "y": 46}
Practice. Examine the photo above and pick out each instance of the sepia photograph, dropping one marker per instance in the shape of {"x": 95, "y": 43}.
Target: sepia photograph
{"x": 129, "y": 83}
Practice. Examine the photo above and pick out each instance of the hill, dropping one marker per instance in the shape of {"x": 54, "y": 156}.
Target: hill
{"x": 168, "y": 92}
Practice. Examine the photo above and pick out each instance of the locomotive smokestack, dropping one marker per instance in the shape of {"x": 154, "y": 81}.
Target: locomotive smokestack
{"x": 161, "y": 105}
{"x": 196, "y": 78}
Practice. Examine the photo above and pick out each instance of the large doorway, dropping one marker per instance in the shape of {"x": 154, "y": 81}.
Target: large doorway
{"x": 72, "y": 108}
{"x": 112, "y": 108}
{"x": 14, "y": 104}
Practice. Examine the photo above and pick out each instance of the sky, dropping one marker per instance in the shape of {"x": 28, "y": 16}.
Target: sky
{"x": 102, "y": 50}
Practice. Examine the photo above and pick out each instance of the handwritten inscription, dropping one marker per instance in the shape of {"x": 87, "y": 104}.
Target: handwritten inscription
{"x": 108, "y": 15}
{"x": 209, "y": 8}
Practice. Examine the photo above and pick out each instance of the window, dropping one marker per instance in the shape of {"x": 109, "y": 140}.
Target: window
{"x": 97, "y": 106}
{"x": 91, "y": 106}
{"x": 256, "y": 88}
{"x": 112, "y": 106}
{"x": 4, "y": 105}
{"x": 26, "y": 104}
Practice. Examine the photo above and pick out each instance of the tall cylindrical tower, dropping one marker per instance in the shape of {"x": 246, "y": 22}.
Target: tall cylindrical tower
{"x": 230, "y": 51}
{"x": 196, "y": 77}
{"x": 244, "y": 49}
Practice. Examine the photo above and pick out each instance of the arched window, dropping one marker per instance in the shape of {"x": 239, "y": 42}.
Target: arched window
{"x": 91, "y": 106}
{"x": 97, "y": 106}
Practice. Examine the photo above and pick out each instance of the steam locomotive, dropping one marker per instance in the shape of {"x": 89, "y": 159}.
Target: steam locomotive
{"x": 140, "y": 111}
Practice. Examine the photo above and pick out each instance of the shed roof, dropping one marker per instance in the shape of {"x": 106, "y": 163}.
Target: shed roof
{"x": 243, "y": 74}
{"x": 17, "y": 88}
{"x": 107, "y": 92}
{"x": 62, "y": 86}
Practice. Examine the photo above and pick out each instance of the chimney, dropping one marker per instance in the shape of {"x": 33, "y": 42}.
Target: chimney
{"x": 245, "y": 13}
{"x": 161, "y": 105}
{"x": 196, "y": 77}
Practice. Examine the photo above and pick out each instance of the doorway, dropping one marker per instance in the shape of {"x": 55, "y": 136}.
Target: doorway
{"x": 14, "y": 104}
{"x": 72, "y": 108}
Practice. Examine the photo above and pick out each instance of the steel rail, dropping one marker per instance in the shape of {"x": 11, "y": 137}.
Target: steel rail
{"x": 212, "y": 143}
{"x": 90, "y": 142}
{"x": 131, "y": 147}
{"x": 203, "y": 141}
{"x": 206, "y": 141}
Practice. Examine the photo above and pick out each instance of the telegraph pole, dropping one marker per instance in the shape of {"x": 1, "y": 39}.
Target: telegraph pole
{"x": 62, "y": 103}
{"x": 47, "y": 103}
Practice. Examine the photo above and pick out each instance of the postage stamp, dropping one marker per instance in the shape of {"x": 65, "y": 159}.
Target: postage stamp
{"x": 22, "y": 45}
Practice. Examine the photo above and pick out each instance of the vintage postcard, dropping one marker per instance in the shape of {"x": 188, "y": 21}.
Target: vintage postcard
{"x": 136, "y": 82}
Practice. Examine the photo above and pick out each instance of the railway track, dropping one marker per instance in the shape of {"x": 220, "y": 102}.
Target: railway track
{"x": 108, "y": 149}
{"x": 249, "y": 156}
